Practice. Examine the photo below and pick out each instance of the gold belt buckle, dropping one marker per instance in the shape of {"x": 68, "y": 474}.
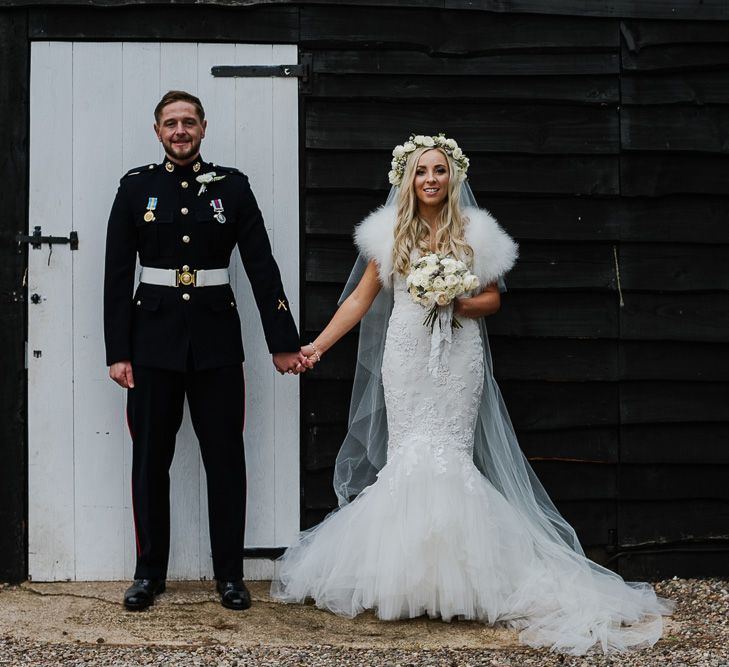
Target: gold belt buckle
{"x": 185, "y": 277}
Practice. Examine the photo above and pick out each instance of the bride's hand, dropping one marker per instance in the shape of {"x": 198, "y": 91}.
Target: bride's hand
{"x": 311, "y": 355}
{"x": 481, "y": 305}
{"x": 461, "y": 306}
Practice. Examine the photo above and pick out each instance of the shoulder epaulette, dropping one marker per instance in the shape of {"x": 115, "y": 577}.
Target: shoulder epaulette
{"x": 141, "y": 170}
{"x": 226, "y": 170}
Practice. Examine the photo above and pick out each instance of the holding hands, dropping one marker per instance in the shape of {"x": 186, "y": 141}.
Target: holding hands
{"x": 294, "y": 363}
{"x": 291, "y": 362}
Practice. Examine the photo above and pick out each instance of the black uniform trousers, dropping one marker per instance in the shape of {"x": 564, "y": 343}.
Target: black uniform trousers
{"x": 216, "y": 400}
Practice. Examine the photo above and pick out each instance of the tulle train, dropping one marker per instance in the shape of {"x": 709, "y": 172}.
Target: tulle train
{"x": 432, "y": 536}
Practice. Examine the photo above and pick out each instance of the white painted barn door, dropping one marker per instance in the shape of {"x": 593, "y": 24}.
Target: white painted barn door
{"x": 91, "y": 121}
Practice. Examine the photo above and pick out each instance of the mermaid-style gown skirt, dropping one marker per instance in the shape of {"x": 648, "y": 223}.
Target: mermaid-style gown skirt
{"x": 432, "y": 536}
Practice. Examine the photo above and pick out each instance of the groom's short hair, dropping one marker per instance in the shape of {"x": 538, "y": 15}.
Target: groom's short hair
{"x": 179, "y": 96}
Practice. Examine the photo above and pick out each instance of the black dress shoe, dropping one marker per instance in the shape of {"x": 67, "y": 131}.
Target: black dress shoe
{"x": 141, "y": 593}
{"x": 234, "y": 594}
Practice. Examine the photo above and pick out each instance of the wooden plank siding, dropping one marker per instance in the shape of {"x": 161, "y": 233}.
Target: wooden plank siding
{"x": 14, "y": 114}
{"x": 603, "y": 152}
{"x": 674, "y": 351}
{"x": 598, "y": 137}
{"x": 676, "y": 10}
{"x": 534, "y": 104}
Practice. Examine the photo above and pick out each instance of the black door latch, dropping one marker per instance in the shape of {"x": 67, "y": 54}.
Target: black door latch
{"x": 36, "y": 240}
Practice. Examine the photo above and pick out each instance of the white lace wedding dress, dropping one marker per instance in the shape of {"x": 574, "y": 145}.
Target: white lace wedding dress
{"x": 433, "y": 536}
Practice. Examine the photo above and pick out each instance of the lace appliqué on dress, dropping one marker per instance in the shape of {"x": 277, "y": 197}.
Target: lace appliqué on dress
{"x": 430, "y": 418}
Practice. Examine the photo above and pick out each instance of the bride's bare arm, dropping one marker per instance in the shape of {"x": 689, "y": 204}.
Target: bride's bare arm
{"x": 487, "y": 302}
{"x": 351, "y": 311}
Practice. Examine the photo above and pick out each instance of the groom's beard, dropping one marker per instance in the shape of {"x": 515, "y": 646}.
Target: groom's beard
{"x": 185, "y": 151}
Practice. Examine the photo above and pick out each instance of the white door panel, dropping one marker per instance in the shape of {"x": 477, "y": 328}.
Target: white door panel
{"x": 91, "y": 120}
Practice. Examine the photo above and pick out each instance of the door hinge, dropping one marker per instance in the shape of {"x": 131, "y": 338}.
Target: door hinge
{"x": 37, "y": 240}
{"x": 300, "y": 71}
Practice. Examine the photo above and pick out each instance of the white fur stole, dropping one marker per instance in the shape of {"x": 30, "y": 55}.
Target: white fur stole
{"x": 494, "y": 251}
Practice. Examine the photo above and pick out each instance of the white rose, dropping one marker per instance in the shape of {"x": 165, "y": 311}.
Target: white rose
{"x": 449, "y": 266}
{"x": 431, "y": 259}
{"x": 457, "y": 153}
{"x": 409, "y": 146}
{"x": 451, "y": 143}
{"x": 428, "y": 141}
{"x": 419, "y": 140}
{"x": 398, "y": 151}
{"x": 442, "y": 299}
{"x": 451, "y": 281}
{"x": 471, "y": 282}
{"x": 439, "y": 283}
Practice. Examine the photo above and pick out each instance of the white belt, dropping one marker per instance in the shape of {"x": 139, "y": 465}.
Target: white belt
{"x": 184, "y": 277}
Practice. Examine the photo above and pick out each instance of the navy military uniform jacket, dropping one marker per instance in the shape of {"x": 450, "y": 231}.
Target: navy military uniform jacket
{"x": 159, "y": 326}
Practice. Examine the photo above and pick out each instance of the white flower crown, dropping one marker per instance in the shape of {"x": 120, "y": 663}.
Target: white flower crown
{"x": 401, "y": 153}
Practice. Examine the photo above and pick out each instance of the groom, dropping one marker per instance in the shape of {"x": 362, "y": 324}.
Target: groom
{"x": 180, "y": 336}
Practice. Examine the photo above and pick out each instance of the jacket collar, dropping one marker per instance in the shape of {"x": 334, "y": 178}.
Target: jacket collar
{"x": 194, "y": 168}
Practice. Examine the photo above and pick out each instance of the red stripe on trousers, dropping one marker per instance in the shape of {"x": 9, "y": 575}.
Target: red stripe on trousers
{"x": 134, "y": 512}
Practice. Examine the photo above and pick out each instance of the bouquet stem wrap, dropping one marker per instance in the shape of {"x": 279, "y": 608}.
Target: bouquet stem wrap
{"x": 441, "y": 338}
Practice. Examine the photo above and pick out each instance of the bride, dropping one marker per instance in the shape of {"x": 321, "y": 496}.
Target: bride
{"x": 440, "y": 513}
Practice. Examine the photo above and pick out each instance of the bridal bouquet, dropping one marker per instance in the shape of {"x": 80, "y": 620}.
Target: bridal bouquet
{"x": 435, "y": 281}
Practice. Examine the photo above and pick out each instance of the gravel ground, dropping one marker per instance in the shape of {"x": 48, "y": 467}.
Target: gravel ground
{"x": 698, "y": 634}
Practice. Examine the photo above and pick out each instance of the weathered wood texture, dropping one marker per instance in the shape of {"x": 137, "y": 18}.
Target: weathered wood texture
{"x": 605, "y": 154}
{"x": 115, "y": 22}
{"x": 656, "y": 9}
{"x": 13, "y": 203}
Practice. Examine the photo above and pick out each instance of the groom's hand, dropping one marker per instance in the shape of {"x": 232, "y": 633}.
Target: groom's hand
{"x": 121, "y": 373}
{"x": 288, "y": 362}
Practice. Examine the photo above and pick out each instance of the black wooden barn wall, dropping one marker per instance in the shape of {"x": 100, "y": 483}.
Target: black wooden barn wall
{"x": 598, "y": 140}
{"x": 600, "y": 144}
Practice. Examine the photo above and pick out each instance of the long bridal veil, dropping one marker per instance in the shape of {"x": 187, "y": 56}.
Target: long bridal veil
{"x": 588, "y": 604}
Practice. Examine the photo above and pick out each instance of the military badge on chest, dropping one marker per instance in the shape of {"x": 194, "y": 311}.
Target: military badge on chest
{"x": 217, "y": 205}
{"x": 151, "y": 206}
{"x": 206, "y": 179}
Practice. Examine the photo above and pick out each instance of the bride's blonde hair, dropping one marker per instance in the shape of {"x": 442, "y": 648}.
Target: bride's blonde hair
{"x": 412, "y": 231}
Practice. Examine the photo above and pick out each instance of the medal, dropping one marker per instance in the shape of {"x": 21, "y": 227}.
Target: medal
{"x": 217, "y": 205}
{"x": 151, "y": 205}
